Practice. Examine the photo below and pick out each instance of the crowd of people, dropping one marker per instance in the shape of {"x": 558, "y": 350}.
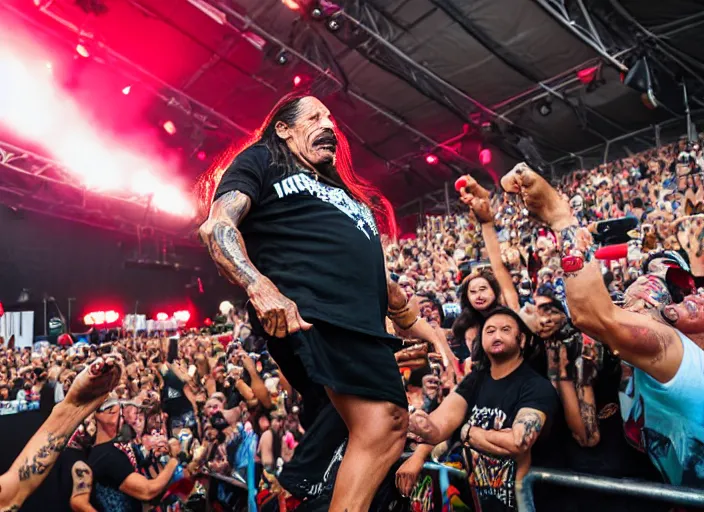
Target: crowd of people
{"x": 518, "y": 360}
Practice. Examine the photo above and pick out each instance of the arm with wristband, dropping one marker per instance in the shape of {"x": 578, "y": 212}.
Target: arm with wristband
{"x": 641, "y": 340}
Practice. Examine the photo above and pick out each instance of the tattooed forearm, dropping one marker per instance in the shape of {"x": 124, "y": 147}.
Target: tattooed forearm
{"x": 650, "y": 340}
{"x": 532, "y": 423}
{"x": 82, "y": 478}
{"x": 224, "y": 241}
{"x": 43, "y": 458}
{"x": 587, "y": 410}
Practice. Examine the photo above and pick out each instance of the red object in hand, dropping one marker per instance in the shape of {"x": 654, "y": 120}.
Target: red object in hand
{"x": 65, "y": 340}
{"x": 2, "y": 309}
{"x": 612, "y": 252}
{"x": 460, "y": 183}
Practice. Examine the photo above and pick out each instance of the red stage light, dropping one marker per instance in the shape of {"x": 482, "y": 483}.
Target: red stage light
{"x": 127, "y": 90}
{"x": 297, "y": 81}
{"x": 485, "y": 156}
{"x": 111, "y": 317}
{"x": 101, "y": 317}
{"x": 587, "y": 75}
{"x": 201, "y": 155}
{"x": 182, "y": 316}
{"x": 291, "y": 4}
{"x": 162, "y": 317}
{"x": 432, "y": 159}
{"x": 82, "y": 51}
{"x": 169, "y": 127}
{"x": 88, "y": 319}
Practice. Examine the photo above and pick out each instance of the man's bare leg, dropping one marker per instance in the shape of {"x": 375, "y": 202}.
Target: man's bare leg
{"x": 377, "y": 436}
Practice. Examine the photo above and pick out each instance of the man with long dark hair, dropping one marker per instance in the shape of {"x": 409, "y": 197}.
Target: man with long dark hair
{"x": 292, "y": 224}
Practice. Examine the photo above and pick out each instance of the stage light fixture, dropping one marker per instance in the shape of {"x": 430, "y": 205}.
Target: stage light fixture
{"x": 127, "y": 90}
{"x": 333, "y": 24}
{"x": 162, "y": 317}
{"x": 485, "y": 156}
{"x": 291, "y": 4}
{"x": 316, "y": 13}
{"x": 641, "y": 78}
{"x": 169, "y": 127}
{"x": 544, "y": 108}
{"x": 282, "y": 58}
{"x": 201, "y": 155}
{"x": 431, "y": 159}
{"x": 297, "y": 80}
{"x": 82, "y": 50}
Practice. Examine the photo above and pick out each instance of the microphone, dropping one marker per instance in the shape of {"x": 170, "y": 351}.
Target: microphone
{"x": 612, "y": 252}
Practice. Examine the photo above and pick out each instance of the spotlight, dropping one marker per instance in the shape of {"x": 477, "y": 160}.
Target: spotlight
{"x": 291, "y": 4}
{"x": 297, "y": 81}
{"x": 333, "y": 25}
{"x": 544, "y": 108}
{"x": 201, "y": 155}
{"x": 169, "y": 127}
{"x": 431, "y": 159}
{"x": 316, "y": 13}
{"x": 82, "y": 51}
{"x": 641, "y": 78}
{"x": 282, "y": 58}
{"x": 127, "y": 90}
{"x": 485, "y": 156}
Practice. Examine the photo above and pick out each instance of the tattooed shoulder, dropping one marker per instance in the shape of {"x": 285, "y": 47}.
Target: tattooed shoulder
{"x": 82, "y": 478}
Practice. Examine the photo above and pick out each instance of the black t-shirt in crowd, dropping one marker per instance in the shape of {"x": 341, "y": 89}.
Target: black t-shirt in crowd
{"x": 317, "y": 244}
{"x": 111, "y": 466}
{"x": 494, "y": 406}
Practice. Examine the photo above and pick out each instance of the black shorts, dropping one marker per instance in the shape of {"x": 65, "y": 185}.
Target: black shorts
{"x": 347, "y": 362}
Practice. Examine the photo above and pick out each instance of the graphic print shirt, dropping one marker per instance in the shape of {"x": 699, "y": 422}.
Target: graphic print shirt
{"x": 493, "y": 477}
{"x": 316, "y": 243}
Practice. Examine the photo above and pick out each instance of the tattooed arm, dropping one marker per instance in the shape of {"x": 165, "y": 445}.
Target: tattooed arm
{"x": 41, "y": 452}
{"x": 441, "y": 423}
{"x": 580, "y": 412}
{"x": 82, "y": 484}
{"x": 220, "y": 234}
{"x": 641, "y": 340}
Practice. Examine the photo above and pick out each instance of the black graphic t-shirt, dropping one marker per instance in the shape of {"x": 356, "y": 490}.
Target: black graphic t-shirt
{"x": 494, "y": 406}
{"x": 111, "y": 466}
{"x": 316, "y": 243}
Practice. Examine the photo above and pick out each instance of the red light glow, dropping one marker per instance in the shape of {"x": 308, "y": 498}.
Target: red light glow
{"x": 586, "y": 76}
{"x": 169, "y": 127}
{"x": 297, "y": 81}
{"x": 291, "y": 4}
{"x": 82, "y": 51}
{"x": 127, "y": 90}
{"x": 162, "y": 317}
{"x": 201, "y": 155}
{"x": 432, "y": 159}
{"x": 485, "y": 156}
{"x": 36, "y": 108}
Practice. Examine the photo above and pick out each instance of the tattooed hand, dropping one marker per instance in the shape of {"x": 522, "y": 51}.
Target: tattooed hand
{"x": 278, "y": 314}
{"x": 538, "y": 196}
{"x": 93, "y": 384}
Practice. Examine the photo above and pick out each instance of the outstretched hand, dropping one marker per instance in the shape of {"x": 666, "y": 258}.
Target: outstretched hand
{"x": 538, "y": 196}
{"x": 92, "y": 385}
{"x": 477, "y": 198}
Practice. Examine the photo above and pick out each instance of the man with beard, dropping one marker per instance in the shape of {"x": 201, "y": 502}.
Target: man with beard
{"x": 668, "y": 366}
{"x": 296, "y": 228}
{"x": 505, "y": 404}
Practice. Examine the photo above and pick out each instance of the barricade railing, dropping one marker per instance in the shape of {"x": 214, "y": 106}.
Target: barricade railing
{"x": 684, "y": 496}
{"x": 444, "y": 473}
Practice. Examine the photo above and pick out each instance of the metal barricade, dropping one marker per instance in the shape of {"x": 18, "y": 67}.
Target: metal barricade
{"x": 685, "y": 496}
{"x": 444, "y": 473}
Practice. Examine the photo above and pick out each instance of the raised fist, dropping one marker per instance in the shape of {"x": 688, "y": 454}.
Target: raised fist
{"x": 93, "y": 384}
